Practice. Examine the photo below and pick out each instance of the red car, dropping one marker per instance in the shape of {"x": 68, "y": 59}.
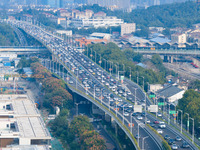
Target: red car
{"x": 156, "y": 122}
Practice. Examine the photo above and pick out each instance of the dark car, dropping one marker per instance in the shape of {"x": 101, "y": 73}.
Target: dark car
{"x": 167, "y": 137}
{"x": 185, "y": 145}
{"x": 152, "y": 125}
{"x": 171, "y": 141}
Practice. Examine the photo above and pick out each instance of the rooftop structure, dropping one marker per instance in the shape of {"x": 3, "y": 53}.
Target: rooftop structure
{"x": 21, "y": 123}
{"x": 172, "y": 93}
{"x": 97, "y": 22}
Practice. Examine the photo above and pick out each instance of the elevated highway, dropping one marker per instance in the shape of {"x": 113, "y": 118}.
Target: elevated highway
{"x": 73, "y": 60}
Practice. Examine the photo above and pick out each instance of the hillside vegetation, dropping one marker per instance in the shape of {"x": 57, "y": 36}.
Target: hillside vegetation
{"x": 7, "y": 36}
{"x": 170, "y": 15}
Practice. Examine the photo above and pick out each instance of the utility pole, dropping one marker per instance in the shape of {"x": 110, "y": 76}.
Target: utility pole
{"x": 188, "y": 122}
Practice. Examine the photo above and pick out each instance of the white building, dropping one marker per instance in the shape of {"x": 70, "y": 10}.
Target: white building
{"x": 127, "y": 28}
{"x": 97, "y": 22}
{"x": 66, "y": 32}
{"x": 171, "y": 93}
{"x": 21, "y": 123}
{"x": 178, "y": 38}
{"x": 11, "y": 56}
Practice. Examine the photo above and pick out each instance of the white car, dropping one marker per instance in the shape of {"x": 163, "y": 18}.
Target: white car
{"x": 159, "y": 115}
{"x": 162, "y": 126}
{"x": 71, "y": 82}
{"x": 126, "y": 114}
{"x": 160, "y": 131}
{"x": 139, "y": 117}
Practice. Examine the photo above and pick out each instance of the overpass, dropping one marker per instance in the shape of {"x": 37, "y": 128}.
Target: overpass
{"x": 71, "y": 59}
{"x": 169, "y": 52}
{"x": 23, "y": 49}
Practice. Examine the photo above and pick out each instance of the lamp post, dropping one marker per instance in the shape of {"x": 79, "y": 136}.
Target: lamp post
{"x": 137, "y": 76}
{"x": 123, "y": 114}
{"x": 143, "y": 141}
{"x": 143, "y": 83}
{"x": 135, "y": 96}
{"x": 94, "y": 91}
{"x": 192, "y": 130}
{"x": 145, "y": 109}
{"x": 123, "y": 67}
{"x": 169, "y": 114}
{"x": 188, "y": 122}
{"x": 138, "y": 135}
{"x": 181, "y": 119}
{"x": 109, "y": 101}
{"x": 95, "y": 56}
{"x": 130, "y": 73}
{"x": 131, "y": 123}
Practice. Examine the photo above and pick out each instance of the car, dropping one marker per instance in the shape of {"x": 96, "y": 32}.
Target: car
{"x": 148, "y": 121}
{"x": 162, "y": 126}
{"x": 134, "y": 114}
{"x": 137, "y": 136}
{"x": 171, "y": 141}
{"x": 161, "y": 122}
{"x": 167, "y": 137}
{"x": 159, "y": 115}
{"x": 152, "y": 125}
{"x": 71, "y": 82}
{"x": 139, "y": 117}
{"x": 126, "y": 114}
{"x": 160, "y": 131}
{"x": 174, "y": 146}
{"x": 178, "y": 138}
{"x": 156, "y": 122}
{"x": 185, "y": 145}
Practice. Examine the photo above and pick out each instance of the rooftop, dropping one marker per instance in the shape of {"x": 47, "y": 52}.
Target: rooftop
{"x": 24, "y": 112}
{"x": 169, "y": 91}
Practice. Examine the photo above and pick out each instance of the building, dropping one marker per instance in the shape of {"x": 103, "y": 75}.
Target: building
{"x": 155, "y": 87}
{"x": 96, "y": 35}
{"x": 21, "y": 124}
{"x": 127, "y": 28}
{"x": 171, "y": 93}
{"x": 54, "y": 3}
{"x": 97, "y": 22}
{"x": 121, "y": 4}
{"x": 178, "y": 38}
{"x": 85, "y": 41}
{"x": 66, "y": 32}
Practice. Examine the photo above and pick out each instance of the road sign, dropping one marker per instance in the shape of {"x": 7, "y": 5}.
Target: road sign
{"x": 130, "y": 124}
{"x": 138, "y": 108}
{"x": 153, "y": 108}
{"x": 122, "y": 77}
{"x": 161, "y": 103}
{"x": 152, "y": 96}
{"x": 100, "y": 61}
{"x": 110, "y": 69}
{"x": 172, "y": 112}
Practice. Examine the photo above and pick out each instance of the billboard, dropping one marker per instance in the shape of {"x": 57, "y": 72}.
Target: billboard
{"x": 138, "y": 108}
{"x": 153, "y": 108}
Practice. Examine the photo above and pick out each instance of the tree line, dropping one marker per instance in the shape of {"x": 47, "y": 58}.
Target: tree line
{"x": 77, "y": 134}
{"x": 111, "y": 55}
{"x": 7, "y": 36}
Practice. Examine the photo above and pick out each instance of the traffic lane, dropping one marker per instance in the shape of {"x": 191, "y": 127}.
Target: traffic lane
{"x": 166, "y": 131}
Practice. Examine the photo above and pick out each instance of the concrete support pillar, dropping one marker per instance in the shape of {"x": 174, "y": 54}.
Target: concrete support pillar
{"x": 171, "y": 59}
{"x": 107, "y": 118}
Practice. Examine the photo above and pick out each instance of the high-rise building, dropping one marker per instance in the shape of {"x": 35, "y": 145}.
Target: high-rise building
{"x": 106, "y": 3}
{"x": 127, "y": 28}
{"x": 54, "y": 3}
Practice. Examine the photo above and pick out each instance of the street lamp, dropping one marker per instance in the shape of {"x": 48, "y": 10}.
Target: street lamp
{"x": 137, "y": 76}
{"x": 94, "y": 91}
{"x": 123, "y": 67}
{"x": 188, "y": 122}
{"x": 135, "y": 96}
{"x": 95, "y": 56}
{"x": 138, "y": 134}
{"x": 143, "y": 83}
{"x": 123, "y": 114}
{"x": 143, "y": 141}
{"x": 181, "y": 119}
{"x": 130, "y": 73}
{"x": 192, "y": 130}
